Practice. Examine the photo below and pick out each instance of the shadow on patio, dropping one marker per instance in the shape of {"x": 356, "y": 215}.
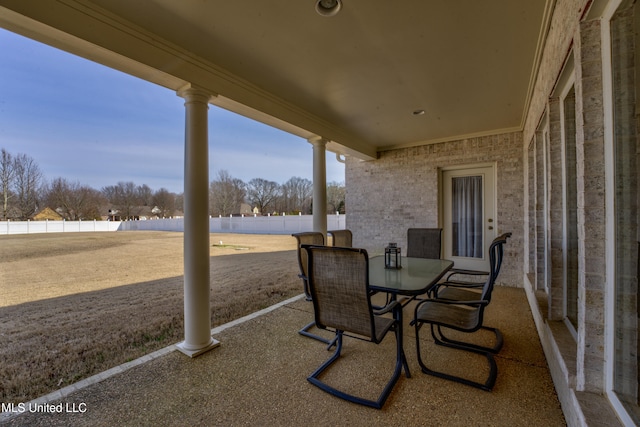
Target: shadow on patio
{"x": 258, "y": 377}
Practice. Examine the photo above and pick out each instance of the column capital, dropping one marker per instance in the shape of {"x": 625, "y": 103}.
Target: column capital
{"x": 318, "y": 140}
{"x": 192, "y": 93}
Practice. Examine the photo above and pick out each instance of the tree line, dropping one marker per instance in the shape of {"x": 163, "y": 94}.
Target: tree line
{"x": 227, "y": 195}
{"x": 25, "y": 191}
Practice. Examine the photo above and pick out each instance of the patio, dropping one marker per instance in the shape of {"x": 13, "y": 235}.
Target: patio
{"x": 258, "y": 377}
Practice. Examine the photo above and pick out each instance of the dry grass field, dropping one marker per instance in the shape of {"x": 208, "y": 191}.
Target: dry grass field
{"x": 75, "y": 304}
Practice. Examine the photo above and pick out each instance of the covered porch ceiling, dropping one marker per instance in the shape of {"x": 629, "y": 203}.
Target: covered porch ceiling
{"x": 355, "y": 79}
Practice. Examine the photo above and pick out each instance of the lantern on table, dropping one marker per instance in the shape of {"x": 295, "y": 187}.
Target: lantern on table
{"x": 392, "y": 256}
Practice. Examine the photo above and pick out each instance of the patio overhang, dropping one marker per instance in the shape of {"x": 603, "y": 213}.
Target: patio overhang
{"x": 377, "y": 76}
{"x": 354, "y": 79}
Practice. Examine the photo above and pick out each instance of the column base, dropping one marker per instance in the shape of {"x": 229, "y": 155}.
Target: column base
{"x": 194, "y": 353}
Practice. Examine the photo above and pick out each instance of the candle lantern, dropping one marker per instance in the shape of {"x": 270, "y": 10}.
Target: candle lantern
{"x": 392, "y": 256}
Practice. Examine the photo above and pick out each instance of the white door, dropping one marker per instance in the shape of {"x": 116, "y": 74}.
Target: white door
{"x": 469, "y": 216}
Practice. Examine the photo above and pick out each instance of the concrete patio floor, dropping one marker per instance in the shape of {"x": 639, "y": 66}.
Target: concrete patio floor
{"x": 257, "y": 377}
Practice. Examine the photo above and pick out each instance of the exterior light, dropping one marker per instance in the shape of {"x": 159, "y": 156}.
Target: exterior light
{"x": 392, "y": 256}
{"x": 328, "y": 7}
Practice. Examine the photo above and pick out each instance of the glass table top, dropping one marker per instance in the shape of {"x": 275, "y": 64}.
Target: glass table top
{"x": 416, "y": 276}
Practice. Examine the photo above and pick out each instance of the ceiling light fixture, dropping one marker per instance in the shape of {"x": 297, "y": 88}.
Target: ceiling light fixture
{"x": 418, "y": 112}
{"x": 328, "y": 7}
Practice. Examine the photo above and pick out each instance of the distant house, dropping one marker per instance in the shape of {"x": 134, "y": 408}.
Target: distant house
{"x": 47, "y": 214}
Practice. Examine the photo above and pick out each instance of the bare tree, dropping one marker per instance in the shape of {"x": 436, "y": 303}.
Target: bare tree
{"x": 26, "y": 185}
{"x": 262, "y": 193}
{"x": 164, "y": 203}
{"x": 7, "y": 172}
{"x": 296, "y": 195}
{"x": 59, "y": 197}
{"x": 74, "y": 201}
{"x": 180, "y": 202}
{"x": 226, "y": 194}
{"x": 336, "y": 194}
{"x": 125, "y": 197}
{"x": 145, "y": 195}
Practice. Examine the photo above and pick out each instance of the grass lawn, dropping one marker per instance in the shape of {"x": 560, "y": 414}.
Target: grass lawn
{"x": 75, "y": 304}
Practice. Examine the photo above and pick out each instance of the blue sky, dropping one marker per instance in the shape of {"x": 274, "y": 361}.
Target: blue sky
{"x": 88, "y": 123}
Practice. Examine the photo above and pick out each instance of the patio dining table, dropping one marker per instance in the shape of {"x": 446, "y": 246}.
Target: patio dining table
{"x": 416, "y": 277}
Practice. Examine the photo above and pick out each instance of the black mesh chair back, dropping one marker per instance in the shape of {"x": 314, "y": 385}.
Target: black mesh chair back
{"x": 307, "y": 238}
{"x": 500, "y": 241}
{"x": 340, "y": 291}
{"x": 341, "y": 238}
{"x": 496, "y": 252}
{"x": 424, "y": 243}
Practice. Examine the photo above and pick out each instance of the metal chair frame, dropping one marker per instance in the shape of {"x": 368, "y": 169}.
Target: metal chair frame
{"x": 378, "y": 326}
{"x": 465, "y": 316}
{"x": 313, "y": 238}
{"x": 459, "y": 290}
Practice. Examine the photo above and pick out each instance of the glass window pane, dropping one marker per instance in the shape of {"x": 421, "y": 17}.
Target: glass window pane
{"x": 625, "y": 381}
{"x": 571, "y": 192}
{"x": 466, "y": 215}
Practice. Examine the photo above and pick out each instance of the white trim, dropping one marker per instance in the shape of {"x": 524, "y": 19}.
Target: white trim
{"x": 609, "y": 156}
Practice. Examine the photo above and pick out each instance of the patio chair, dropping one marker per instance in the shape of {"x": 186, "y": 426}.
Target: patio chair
{"x": 339, "y": 284}
{"x": 309, "y": 238}
{"x": 424, "y": 243}
{"x": 475, "y": 278}
{"x": 462, "y": 315}
{"x": 341, "y": 238}
{"x": 469, "y": 290}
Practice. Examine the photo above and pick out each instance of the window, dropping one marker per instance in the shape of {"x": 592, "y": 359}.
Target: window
{"x": 570, "y": 208}
{"x": 467, "y": 213}
{"x": 624, "y": 65}
{"x": 543, "y": 270}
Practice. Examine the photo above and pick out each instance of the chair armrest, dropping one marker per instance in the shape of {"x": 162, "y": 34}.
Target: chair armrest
{"x": 453, "y": 272}
{"x": 387, "y": 308}
{"x": 463, "y": 285}
{"x": 452, "y": 302}
{"x": 463, "y": 271}
{"x": 457, "y": 284}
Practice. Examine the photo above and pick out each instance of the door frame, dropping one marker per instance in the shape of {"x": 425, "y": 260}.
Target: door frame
{"x": 493, "y": 204}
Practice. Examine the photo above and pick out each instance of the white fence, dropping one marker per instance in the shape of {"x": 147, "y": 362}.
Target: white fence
{"x": 285, "y": 224}
{"x": 26, "y": 227}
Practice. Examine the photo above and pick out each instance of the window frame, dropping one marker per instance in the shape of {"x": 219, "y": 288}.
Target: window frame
{"x": 610, "y": 204}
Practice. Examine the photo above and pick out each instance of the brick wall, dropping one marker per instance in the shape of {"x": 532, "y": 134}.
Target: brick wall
{"x": 383, "y": 203}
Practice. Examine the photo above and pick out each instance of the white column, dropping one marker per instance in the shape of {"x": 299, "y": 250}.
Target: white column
{"x": 197, "y": 311}
{"x": 319, "y": 185}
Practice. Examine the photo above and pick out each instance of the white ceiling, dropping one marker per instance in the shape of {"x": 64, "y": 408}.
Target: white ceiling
{"x": 354, "y": 78}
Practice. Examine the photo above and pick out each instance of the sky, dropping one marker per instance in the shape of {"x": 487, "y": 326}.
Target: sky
{"x": 97, "y": 126}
